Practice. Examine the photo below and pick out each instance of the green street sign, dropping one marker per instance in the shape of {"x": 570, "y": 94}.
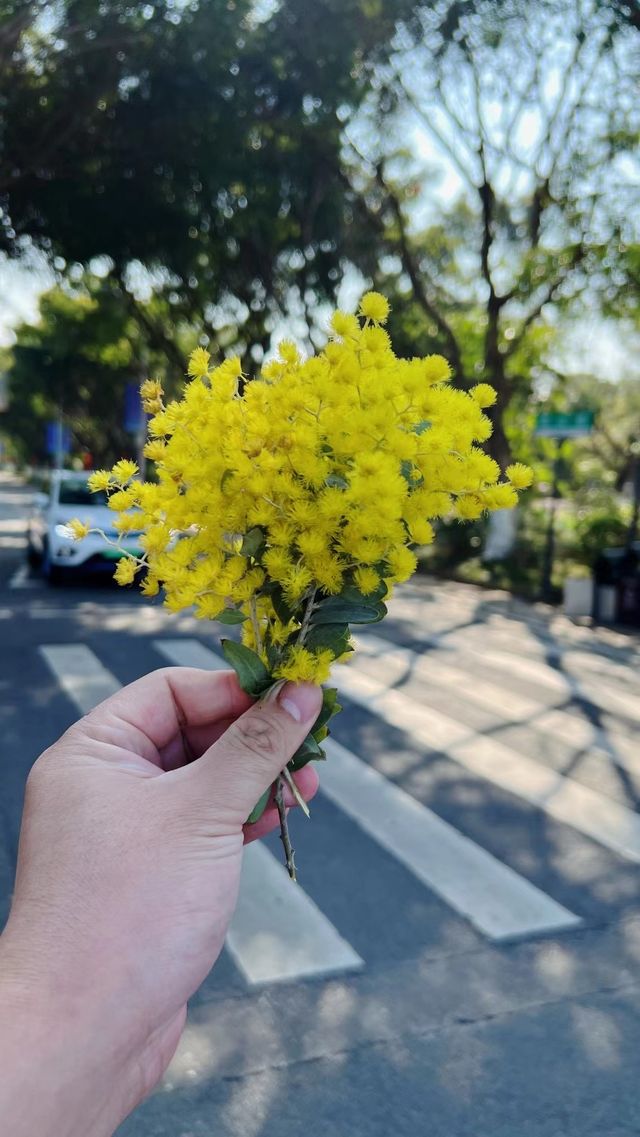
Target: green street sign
{"x": 564, "y": 424}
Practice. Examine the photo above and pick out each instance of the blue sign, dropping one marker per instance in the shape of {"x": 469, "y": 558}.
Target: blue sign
{"x": 134, "y": 416}
{"x": 57, "y": 438}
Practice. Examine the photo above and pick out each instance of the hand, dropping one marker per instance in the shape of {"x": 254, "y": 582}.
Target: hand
{"x": 128, "y": 873}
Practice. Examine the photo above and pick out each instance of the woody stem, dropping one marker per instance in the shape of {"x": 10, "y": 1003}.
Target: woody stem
{"x": 255, "y": 623}
{"x": 306, "y": 619}
{"x": 284, "y": 829}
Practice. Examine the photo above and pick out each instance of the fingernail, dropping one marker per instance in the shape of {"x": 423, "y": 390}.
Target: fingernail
{"x": 300, "y": 700}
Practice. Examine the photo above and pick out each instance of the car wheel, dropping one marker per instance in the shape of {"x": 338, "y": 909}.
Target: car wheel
{"x": 53, "y": 574}
{"x": 34, "y": 558}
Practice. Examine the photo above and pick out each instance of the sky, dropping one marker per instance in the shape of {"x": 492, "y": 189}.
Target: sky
{"x": 20, "y": 288}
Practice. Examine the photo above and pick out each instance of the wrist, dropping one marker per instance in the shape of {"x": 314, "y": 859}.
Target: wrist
{"x": 59, "y": 1078}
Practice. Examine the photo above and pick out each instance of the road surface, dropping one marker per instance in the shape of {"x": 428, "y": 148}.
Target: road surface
{"x": 461, "y": 957}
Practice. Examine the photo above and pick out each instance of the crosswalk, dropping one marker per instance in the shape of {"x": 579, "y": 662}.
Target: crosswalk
{"x": 278, "y": 933}
{"x": 448, "y": 671}
{"x": 496, "y": 900}
{"x": 23, "y": 578}
{"x": 606, "y": 821}
{"x": 281, "y": 933}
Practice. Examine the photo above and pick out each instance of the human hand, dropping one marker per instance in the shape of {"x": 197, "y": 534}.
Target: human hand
{"x": 128, "y": 873}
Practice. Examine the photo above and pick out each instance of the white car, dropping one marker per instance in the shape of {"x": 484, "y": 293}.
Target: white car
{"x": 50, "y": 543}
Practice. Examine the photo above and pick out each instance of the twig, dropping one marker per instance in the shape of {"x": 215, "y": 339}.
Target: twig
{"x": 284, "y": 829}
{"x": 307, "y": 617}
{"x": 255, "y": 623}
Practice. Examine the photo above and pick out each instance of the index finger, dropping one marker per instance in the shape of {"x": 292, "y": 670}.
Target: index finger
{"x": 167, "y": 703}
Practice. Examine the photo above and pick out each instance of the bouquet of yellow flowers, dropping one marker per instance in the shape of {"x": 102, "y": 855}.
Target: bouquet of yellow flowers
{"x": 290, "y": 505}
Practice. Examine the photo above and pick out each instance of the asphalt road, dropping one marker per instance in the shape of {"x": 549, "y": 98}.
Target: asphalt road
{"x": 461, "y": 959}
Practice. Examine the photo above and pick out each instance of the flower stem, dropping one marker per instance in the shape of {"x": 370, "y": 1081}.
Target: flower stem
{"x": 307, "y": 617}
{"x": 255, "y": 624}
{"x": 284, "y": 829}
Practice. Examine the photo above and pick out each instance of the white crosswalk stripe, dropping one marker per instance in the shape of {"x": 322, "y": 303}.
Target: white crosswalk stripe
{"x": 190, "y": 653}
{"x": 494, "y": 898}
{"x": 22, "y": 579}
{"x": 606, "y": 821}
{"x": 80, "y": 674}
{"x": 277, "y": 933}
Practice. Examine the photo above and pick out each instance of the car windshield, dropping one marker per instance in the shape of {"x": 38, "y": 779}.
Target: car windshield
{"x": 77, "y": 492}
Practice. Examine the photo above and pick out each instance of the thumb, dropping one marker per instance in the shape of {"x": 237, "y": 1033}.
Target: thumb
{"x": 248, "y": 757}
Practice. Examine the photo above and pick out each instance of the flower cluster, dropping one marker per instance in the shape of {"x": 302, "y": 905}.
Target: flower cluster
{"x": 307, "y": 487}
{"x": 291, "y": 505}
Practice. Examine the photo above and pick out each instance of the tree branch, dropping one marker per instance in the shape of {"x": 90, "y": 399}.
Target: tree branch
{"x": 554, "y": 152}
{"x": 417, "y": 283}
{"x": 547, "y": 296}
{"x": 438, "y": 135}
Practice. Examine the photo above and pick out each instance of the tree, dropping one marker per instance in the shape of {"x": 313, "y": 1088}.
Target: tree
{"x": 603, "y": 463}
{"x": 76, "y": 362}
{"x": 195, "y": 140}
{"x": 530, "y": 112}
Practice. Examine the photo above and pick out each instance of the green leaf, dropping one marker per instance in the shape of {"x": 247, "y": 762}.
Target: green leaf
{"x": 412, "y": 477}
{"x": 231, "y": 616}
{"x": 320, "y": 734}
{"x": 420, "y": 427}
{"x": 381, "y": 610}
{"x": 330, "y": 699}
{"x": 335, "y": 610}
{"x": 330, "y": 707}
{"x": 252, "y": 542}
{"x": 333, "y": 636}
{"x": 281, "y": 608}
{"x": 351, "y": 593}
{"x": 336, "y": 481}
{"x": 259, "y": 808}
{"x": 309, "y": 751}
{"x": 251, "y": 671}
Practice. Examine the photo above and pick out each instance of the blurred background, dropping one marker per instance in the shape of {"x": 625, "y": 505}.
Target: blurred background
{"x": 461, "y": 955}
{"x": 221, "y": 173}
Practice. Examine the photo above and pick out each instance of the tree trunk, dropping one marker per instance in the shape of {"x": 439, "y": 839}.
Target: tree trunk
{"x": 501, "y": 531}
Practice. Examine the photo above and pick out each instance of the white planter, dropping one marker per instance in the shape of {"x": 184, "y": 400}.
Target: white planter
{"x": 578, "y": 596}
{"x": 607, "y": 604}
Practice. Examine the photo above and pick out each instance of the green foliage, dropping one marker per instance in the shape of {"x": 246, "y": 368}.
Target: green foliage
{"x": 259, "y": 807}
{"x": 231, "y": 616}
{"x": 600, "y": 530}
{"x": 309, "y": 751}
{"x": 333, "y": 636}
{"x": 77, "y": 359}
{"x": 252, "y": 674}
{"x": 282, "y": 610}
{"x": 252, "y": 542}
{"x": 330, "y": 707}
{"x": 349, "y": 606}
{"x": 197, "y": 139}
{"x": 335, "y": 610}
{"x": 202, "y": 145}
{"x": 487, "y": 271}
